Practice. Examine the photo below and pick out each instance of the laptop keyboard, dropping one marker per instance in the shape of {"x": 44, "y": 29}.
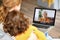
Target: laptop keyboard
{"x": 40, "y": 26}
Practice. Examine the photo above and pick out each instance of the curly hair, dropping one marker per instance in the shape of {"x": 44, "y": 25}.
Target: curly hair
{"x": 3, "y": 13}
{"x": 15, "y": 23}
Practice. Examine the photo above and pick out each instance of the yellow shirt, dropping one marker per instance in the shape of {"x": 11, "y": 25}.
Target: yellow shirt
{"x": 24, "y": 36}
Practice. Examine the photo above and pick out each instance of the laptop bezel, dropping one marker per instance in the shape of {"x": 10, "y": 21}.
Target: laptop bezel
{"x": 46, "y": 9}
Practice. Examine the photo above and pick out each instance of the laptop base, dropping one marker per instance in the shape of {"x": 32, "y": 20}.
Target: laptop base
{"x": 41, "y": 26}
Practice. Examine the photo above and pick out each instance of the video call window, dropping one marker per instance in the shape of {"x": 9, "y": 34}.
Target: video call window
{"x": 45, "y": 16}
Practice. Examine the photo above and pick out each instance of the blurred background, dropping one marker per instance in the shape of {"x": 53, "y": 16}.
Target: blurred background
{"x": 28, "y": 9}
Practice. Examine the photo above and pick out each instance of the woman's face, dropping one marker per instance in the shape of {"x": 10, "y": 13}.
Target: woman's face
{"x": 44, "y": 14}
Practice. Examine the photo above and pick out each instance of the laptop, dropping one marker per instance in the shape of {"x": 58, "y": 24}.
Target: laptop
{"x": 44, "y": 17}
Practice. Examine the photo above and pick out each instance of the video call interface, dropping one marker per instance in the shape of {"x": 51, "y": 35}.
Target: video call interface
{"x": 44, "y": 16}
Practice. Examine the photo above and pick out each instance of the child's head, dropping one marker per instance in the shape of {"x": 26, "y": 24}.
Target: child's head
{"x": 15, "y": 23}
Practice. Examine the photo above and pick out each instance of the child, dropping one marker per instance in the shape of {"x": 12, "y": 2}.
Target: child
{"x": 18, "y": 26}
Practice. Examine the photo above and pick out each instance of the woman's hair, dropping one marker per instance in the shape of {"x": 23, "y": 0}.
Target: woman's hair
{"x": 11, "y": 3}
{"x": 0, "y": 2}
{"x": 15, "y": 23}
{"x": 3, "y": 13}
{"x": 5, "y": 6}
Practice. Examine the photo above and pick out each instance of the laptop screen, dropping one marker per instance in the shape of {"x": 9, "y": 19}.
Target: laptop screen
{"x": 44, "y": 16}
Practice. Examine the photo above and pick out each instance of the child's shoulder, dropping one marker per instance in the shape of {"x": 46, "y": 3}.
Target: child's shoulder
{"x": 34, "y": 28}
{"x": 39, "y": 34}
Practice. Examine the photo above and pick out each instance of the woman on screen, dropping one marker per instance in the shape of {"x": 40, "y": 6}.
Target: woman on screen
{"x": 44, "y": 18}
